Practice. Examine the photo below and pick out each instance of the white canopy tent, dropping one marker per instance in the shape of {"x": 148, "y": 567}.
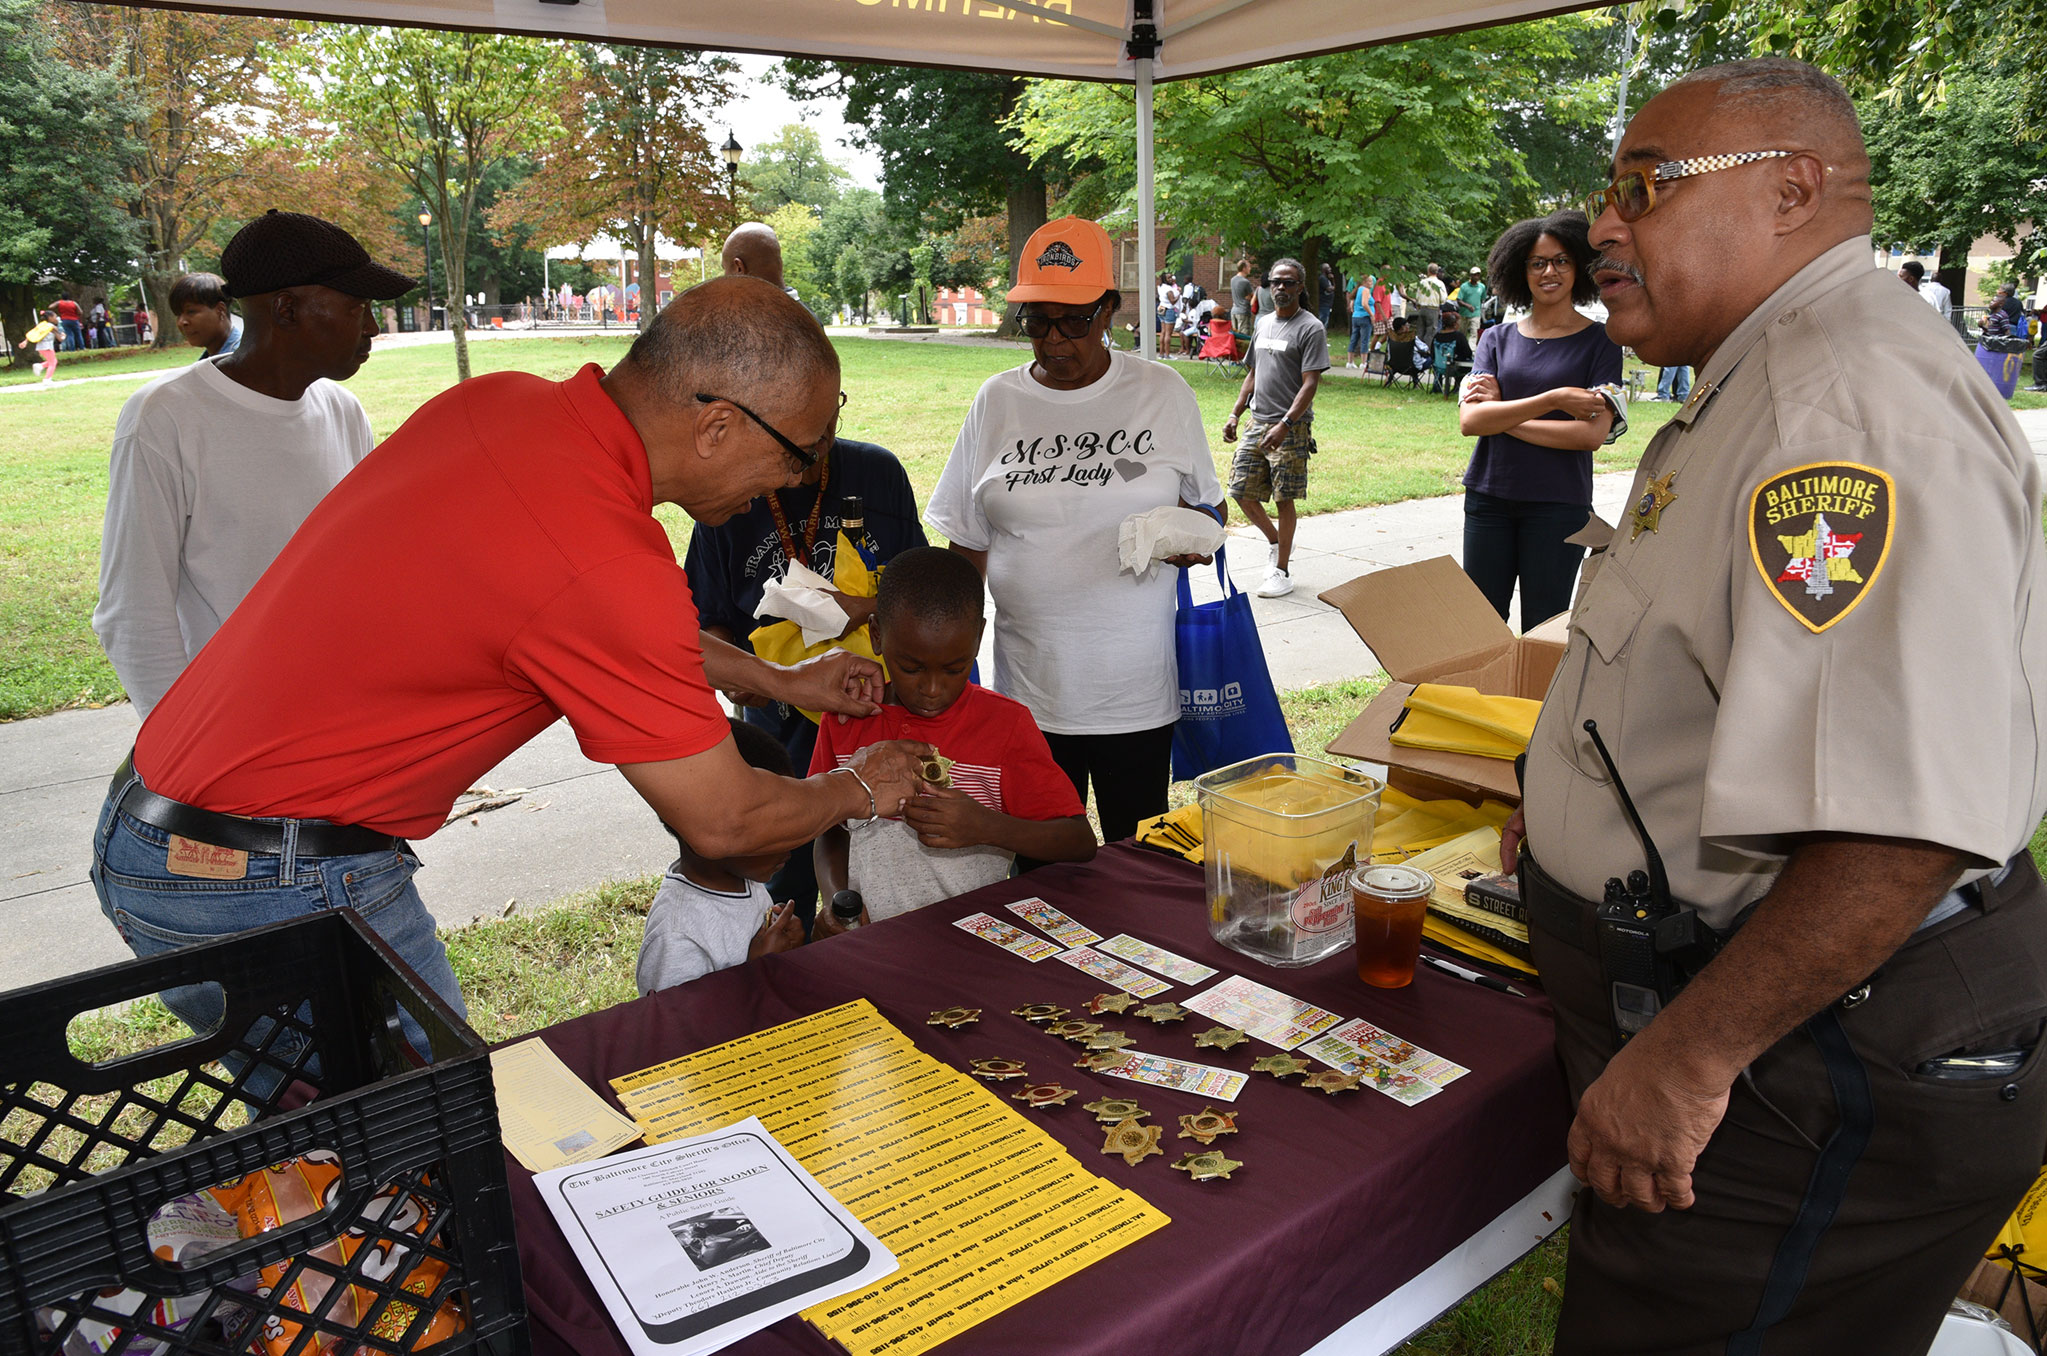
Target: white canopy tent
{"x": 1137, "y": 41}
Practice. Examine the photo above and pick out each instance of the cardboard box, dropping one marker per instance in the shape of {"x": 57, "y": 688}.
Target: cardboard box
{"x": 1991, "y": 1282}
{"x": 1428, "y": 623}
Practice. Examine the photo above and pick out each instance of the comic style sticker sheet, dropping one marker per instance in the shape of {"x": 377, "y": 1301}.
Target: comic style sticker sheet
{"x": 1054, "y": 924}
{"x": 1156, "y": 959}
{"x": 1112, "y": 971}
{"x": 1261, "y": 1013}
{"x": 1399, "y": 1068}
{"x": 1161, "y": 1071}
{"x": 991, "y": 929}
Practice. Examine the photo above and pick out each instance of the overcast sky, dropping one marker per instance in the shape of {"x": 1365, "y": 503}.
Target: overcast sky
{"x": 761, "y": 110}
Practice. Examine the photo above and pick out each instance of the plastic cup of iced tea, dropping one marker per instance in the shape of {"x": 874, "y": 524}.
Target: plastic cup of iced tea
{"x": 1389, "y": 902}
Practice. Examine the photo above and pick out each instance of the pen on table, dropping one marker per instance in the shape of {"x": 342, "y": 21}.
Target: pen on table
{"x": 1474, "y": 976}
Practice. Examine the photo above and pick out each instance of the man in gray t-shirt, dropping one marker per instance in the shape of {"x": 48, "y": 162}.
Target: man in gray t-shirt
{"x": 1289, "y": 353}
{"x": 1242, "y": 285}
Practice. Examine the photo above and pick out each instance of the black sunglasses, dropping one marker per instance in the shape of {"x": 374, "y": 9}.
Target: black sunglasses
{"x": 1072, "y": 326}
{"x": 804, "y": 459}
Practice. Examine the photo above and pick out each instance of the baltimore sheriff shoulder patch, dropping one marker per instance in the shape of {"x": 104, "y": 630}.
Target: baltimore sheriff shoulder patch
{"x": 1819, "y": 534}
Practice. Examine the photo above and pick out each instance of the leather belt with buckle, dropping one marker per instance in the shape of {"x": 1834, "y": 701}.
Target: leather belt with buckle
{"x": 264, "y": 837}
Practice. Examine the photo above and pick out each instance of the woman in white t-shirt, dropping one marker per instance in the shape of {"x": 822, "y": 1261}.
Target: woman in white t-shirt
{"x": 1053, "y": 457}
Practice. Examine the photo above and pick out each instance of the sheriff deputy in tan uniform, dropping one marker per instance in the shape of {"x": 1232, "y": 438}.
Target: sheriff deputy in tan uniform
{"x": 1817, "y": 652}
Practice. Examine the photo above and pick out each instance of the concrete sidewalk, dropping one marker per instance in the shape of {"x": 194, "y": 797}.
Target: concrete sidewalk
{"x": 578, "y": 822}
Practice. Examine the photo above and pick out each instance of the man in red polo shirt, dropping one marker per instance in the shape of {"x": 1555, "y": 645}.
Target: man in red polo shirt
{"x": 376, "y": 671}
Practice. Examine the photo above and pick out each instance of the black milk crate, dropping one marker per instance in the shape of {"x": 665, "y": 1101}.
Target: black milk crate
{"x": 311, "y": 1053}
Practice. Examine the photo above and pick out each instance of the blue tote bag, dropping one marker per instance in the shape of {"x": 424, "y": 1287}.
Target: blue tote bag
{"x": 1228, "y": 708}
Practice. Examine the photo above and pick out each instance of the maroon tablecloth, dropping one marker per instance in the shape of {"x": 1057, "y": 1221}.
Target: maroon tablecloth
{"x": 1341, "y": 1200}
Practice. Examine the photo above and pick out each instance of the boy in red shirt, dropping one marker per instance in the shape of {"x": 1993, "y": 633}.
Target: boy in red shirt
{"x": 1007, "y": 798}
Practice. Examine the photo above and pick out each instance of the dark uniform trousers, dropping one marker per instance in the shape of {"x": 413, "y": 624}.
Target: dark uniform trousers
{"x": 1843, "y": 1200}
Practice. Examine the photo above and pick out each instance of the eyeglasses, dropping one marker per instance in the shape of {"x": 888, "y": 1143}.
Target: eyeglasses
{"x": 1559, "y": 264}
{"x": 805, "y": 459}
{"x": 1287, "y": 284}
{"x": 1633, "y": 196}
{"x": 1072, "y": 326}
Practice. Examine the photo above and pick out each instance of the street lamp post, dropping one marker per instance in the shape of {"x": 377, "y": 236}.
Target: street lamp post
{"x": 426, "y": 219}
{"x": 731, "y": 151}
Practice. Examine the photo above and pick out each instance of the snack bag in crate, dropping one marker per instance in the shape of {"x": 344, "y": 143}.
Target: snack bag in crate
{"x": 286, "y": 1192}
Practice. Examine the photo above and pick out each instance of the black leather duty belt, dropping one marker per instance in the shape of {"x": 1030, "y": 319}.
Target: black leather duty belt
{"x": 264, "y": 837}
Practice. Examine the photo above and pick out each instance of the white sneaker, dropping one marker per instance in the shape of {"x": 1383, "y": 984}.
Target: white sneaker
{"x": 1276, "y": 584}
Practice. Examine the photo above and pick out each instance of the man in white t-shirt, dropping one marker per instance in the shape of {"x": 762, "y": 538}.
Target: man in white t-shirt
{"x": 215, "y": 467}
{"x": 1913, "y": 274}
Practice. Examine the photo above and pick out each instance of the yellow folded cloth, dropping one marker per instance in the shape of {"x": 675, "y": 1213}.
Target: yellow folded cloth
{"x": 781, "y": 642}
{"x": 1465, "y": 720}
{"x": 1175, "y": 831}
{"x": 1406, "y": 825}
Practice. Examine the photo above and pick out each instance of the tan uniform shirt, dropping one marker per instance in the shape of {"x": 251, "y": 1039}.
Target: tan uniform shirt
{"x": 1838, "y": 624}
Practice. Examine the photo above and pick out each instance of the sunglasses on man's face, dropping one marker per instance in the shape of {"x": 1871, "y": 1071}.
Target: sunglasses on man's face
{"x": 1073, "y": 326}
{"x": 805, "y": 458}
{"x": 1633, "y": 195}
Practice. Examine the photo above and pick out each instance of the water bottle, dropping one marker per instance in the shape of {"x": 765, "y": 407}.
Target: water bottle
{"x": 853, "y": 522}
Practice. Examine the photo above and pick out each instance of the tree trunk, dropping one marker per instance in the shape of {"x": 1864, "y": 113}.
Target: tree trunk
{"x": 1954, "y": 269}
{"x": 650, "y": 269}
{"x": 455, "y": 274}
{"x": 17, "y": 318}
{"x": 1311, "y": 274}
{"x": 156, "y": 287}
{"x": 1026, "y": 214}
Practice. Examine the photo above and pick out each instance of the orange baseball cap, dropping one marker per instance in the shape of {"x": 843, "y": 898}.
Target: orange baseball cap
{"x": 1066, "y": 261}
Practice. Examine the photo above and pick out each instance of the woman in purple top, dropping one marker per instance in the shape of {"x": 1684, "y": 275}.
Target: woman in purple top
{"x": 1531, "y": 403}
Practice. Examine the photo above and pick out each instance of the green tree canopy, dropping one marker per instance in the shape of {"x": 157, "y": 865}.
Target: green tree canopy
{"x": 1943, "y": 176}
{"x": 1353, "y": 156}
{"x": 63, "y": 141}
{"x": 946, "y": 153}
{"x": 792, "y": 168}
{"x": 442, "y": 110}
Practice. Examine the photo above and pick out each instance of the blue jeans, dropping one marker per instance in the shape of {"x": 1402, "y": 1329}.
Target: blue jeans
{"x": 1510, "y": 539}
{"x": 156, "y": 911}
{"x": 1674, "y": 383}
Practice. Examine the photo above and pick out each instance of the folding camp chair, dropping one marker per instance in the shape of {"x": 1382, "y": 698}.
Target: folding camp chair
{"x": 1223, "y": 350}
{"x": 1405, "y": 361}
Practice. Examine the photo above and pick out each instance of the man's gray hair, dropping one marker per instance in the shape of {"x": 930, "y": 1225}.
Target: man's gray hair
{"x": 1283, "y": 262}
{"x": 737, "y": 337}
{"x": 1757, "y": 81}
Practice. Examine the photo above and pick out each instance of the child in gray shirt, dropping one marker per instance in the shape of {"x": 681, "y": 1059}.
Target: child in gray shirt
{"x": 712, "y": 915}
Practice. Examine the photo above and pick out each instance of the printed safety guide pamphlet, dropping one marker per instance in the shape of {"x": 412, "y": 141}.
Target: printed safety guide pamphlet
{"x": 695, "y": 1243}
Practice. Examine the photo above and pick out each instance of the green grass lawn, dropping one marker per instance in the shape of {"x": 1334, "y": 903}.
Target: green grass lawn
{"x": 1377, "y": 446}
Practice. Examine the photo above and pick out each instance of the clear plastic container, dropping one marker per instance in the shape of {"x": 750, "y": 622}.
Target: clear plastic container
{"x": 1280, "y": 837}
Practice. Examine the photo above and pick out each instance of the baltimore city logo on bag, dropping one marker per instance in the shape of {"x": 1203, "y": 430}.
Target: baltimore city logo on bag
{"x": 1819, "y": 534}
{"x": 1058, "y": 255}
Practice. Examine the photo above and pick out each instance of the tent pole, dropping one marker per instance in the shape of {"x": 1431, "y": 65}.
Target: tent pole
{"x": 1147, "y": 226}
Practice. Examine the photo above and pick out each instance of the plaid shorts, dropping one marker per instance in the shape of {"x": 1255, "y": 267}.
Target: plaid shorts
{"x": 1280, "y": 474}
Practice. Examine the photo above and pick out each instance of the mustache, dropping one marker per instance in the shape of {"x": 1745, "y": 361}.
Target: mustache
{"x": 1606, "y": 263}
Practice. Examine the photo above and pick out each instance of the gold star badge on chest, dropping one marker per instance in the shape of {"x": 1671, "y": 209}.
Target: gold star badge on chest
{"x": 1660, "y": 495}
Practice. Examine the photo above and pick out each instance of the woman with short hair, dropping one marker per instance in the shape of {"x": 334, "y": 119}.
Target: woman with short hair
{"x": 1543, "y": 392}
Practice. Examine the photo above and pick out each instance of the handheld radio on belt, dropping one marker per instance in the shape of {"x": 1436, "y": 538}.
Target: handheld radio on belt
{"x": 1649, "y": 945}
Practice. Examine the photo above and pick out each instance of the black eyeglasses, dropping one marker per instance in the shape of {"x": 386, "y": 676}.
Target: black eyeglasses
{"x": 1072, "y": 326}
{"x": 804, "y": 459}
